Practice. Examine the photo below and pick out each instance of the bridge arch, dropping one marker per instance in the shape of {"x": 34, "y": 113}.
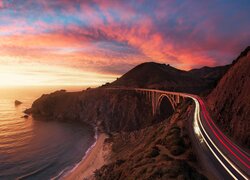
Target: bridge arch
{"x": 159, "y": 100}
{"x": 165, "y": 105}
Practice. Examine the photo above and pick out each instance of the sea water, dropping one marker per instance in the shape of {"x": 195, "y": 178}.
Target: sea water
{"x": 32, "y": 149}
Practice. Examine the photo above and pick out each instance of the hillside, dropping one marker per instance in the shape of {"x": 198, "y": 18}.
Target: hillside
{"x": 162, "y": 76}
{"x": 210, "y": 75}
{"x": 230, "y": 100}
{"x": 161, "y": 151}
{"x": 152, "y": 74}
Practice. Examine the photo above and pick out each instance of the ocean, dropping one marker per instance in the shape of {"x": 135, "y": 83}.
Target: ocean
{"x": 32, "y": 149}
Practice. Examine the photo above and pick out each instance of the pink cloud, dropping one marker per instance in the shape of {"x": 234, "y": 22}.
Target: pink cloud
{"x": 162, "y": 34}
{"x": 1, "y": 4}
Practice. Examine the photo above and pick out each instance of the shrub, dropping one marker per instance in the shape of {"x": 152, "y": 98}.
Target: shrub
{"x": 174, "y": 130}
{"x": 177, "y": 150}
{"x": 154, "y": 152}
{"x": 192, "y": 157}
{"x": 120, "y": 162}
{"x": 165, "y": 157}
{"x": 177, "y": 142}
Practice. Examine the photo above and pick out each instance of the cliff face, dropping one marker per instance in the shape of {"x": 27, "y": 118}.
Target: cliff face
{"x": 111, "y": 110}
{"x": 230, "y": 100}
{"x": 161, "y": 151}
{"x": 162, "y": 76}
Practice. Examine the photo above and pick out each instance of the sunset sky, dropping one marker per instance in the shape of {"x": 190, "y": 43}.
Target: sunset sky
{"x": 73, "y": 42}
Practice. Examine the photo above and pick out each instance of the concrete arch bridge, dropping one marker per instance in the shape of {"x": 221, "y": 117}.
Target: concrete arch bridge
{"x": 229, "y": 160}
{"x": 155, "y": 97}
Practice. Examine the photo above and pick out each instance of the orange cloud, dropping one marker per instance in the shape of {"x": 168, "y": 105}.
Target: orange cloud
{"x": 43, "y": 40}
{"x": 110, "y": 37}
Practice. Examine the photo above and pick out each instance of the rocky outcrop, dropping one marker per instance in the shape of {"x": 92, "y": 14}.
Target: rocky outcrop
{"x": 230, "y": 100}
{"x": 111, "y": 110}
{"x": 17, "y": 103}
{"x": 161, "y": 151}
{"x": 25, "y": 116}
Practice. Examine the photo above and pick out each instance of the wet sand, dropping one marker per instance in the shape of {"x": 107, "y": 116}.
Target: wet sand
{"x": 95, "y": 159}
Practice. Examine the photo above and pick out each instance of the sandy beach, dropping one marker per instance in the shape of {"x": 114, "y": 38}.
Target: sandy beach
{"x": 95, "y": 159}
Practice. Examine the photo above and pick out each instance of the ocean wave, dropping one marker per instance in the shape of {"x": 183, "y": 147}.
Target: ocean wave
{"x": 35, "y": 172}
{"x": 70, "y": 169}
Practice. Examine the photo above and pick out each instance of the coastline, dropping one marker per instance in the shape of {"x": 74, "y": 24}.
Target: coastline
{"x": 95, "y": 159}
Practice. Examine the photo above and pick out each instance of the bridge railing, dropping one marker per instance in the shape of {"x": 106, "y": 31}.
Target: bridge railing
{"x": 153, "y": 90}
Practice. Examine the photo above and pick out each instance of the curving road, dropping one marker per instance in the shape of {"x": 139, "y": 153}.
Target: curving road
{"x": 222, "y": 156}
{"x": 235, "y": 161}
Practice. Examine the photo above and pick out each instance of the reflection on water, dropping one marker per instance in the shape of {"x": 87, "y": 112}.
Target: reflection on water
{"x": 36, "y": 149}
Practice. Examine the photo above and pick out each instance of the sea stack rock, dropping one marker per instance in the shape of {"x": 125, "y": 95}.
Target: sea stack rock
{"x": 17, "y": 103}
{"x": 25, "y": 116}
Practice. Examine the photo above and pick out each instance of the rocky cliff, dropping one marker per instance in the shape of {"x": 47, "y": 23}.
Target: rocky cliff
{"x": 160, "y": 151}
{"x": 111, "y": 110}
{"x": 230, "y": 100}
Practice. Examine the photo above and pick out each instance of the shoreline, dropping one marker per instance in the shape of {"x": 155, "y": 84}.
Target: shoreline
{"x": 93, "y": 160}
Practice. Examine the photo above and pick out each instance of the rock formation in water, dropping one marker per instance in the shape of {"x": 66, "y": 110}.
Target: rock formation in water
{"x": 230, "y": 100}
{"x": 17, "y": 103}
{"x": 25, "y": 116}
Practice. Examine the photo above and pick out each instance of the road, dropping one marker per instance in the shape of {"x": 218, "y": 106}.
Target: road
{"x": 225, "y": 158}
{"x": 232, "y": 158}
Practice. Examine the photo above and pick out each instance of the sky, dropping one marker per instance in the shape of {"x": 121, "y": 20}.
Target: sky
{"x": 89, "y": 43}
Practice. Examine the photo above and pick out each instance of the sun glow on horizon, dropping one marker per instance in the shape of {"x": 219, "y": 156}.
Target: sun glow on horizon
{"x": 93, "y": 42}
{"x": 38, "y": 74}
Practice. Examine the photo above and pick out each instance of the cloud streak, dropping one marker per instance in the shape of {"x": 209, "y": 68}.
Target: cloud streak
{"x": 110, "y": 37}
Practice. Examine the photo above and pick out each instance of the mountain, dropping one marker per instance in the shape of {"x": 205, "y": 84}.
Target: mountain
{"x": 211, "y": 75}
{"x": 230, "y": 100}
{"x": 151, "y": 74}
{"x": 162, "y": 76}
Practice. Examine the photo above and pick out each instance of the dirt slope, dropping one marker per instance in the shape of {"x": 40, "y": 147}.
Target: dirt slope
{"x": 230, "y": 100}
